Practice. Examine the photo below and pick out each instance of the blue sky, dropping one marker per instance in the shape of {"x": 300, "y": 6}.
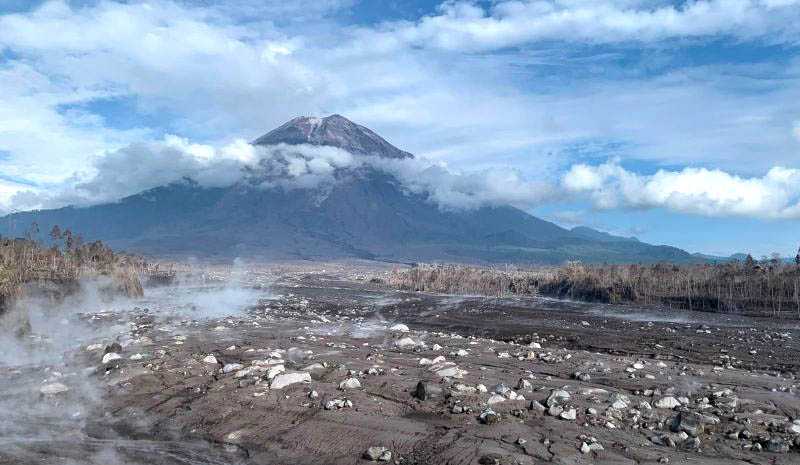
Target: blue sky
{"x": 676, "y": 122}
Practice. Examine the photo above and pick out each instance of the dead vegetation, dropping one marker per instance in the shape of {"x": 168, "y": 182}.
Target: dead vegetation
{"x": 27, "y": 265}
{"x": 767, "y": 288}
{"x": 461, "y": 279}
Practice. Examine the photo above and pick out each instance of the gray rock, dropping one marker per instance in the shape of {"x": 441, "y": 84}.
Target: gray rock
{"x": 231, "y": 367}
{"x": 688, "y": 422}
{"x": 426, "y": 390}
{"x": 569, "y": 414}
{"x": 113, "y": 347}
{"x": 285, "y": 379}
{"x": 691, "y": 444}
{"x": 110, "y": 357}
{"x": 557, "y": 397}
{"x": 337, "y": 404}
{"x": 53, "y": 389}
{"x": 350, "y": 383}
{"x": 405, "y": 342}
{"x": 489, "y": 417}
{"x": 776, "y": 446}
{"x": 593, "y": 447}
{"x": 537, "y": 406}
{"x": 524, "y": 384}
{"x": 667, "y": 403}
{"x": 378, "y": 454}
{"x": 501, "y": 389}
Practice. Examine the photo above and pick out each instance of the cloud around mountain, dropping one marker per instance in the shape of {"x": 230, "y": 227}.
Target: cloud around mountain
{"x": 143, "y": 166}
{"x": 698, "y": 191}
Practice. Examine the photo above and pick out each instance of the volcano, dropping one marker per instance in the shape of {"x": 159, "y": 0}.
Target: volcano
{"x": 366, "y": 213}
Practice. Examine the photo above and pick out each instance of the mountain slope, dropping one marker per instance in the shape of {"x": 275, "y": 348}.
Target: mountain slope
{"x": 365, "y": 213}
{"x": 334, "y": 131}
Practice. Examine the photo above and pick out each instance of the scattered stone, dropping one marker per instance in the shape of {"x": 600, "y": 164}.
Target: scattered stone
{"x": 426, "y": 390}
{"x": 688, "y": 422}
{"x": 114, "y": 347}
{"x": 231, "y": 367}
{"x": 620, "y": 401}
{"x": 524, "y": 384}
{"x": 337, "y": 404}
{"x": 275, "y": 371}
{"x": 569, "y": 415}
{"x": 668, "y": 402}
{"x": 776, "y": 446}
{"x": 581, "y": 376}
{"x": 378, "y": 454}
{"x": 313, "y": 367}
{"x": 501, "y": 389}
{"x": 110, "y": 357}
{"x": 537, "y": 406}
{"x": 285, "y": 379}
{"x": 404, "y": 342}
{"x": 557, "y": 397}
{"x": 451, "y": 372}
{"x": 53, "y": 389}
{"x": 350, "y": 383}
{"x": 592, "y": 447}
{"x": 399, "y": 328}
{"x": 210, "y": 359}
{"x": 489, "y": 417}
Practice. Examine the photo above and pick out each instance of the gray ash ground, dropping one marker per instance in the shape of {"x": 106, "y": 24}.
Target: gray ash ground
{"x": 322, "y": 370}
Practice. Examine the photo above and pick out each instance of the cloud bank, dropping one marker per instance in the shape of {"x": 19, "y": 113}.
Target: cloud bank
{"x": 699, "y": 191}
{"x": 466, "y": 26}
{"x": 696, "y": 191}
{"x": 142, "y": 166}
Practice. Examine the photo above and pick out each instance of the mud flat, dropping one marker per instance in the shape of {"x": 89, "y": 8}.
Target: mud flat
{"x": 318, "y": 367}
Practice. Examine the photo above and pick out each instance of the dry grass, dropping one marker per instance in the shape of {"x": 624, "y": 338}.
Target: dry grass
{"x": 768, "y": 288}
{"x": 460, "y": 279}
{"x": 26, "y": 263}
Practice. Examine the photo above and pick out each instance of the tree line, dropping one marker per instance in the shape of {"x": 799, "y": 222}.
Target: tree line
{"x": 767, "y": 287}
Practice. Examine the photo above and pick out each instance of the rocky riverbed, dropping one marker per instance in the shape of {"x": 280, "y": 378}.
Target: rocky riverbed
{"x": 294, "y": 367}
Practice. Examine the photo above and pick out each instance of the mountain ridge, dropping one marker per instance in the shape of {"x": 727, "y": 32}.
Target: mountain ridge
{"x": 334, "y": 131}
{"x": 366, "y": 213}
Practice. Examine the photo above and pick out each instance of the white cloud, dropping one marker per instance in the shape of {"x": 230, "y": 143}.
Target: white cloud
{"x": 300, "y": 166}
{"x": 462, "y": 25}
{"x": 455, "y": 189}
{"x": 141, "y": 166}
{"x": 698, "y": 191}
{"x": 44, "y": 143}
{"x": 175, "y": 60}
{"x": 200, "y": 73}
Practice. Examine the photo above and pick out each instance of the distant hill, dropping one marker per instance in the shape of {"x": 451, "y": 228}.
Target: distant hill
{"x": 366, "y": 213}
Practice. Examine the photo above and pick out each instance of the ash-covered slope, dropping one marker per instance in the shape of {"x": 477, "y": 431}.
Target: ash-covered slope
{"x": 365, "y": 213}
{"x": 335, "y": 131}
